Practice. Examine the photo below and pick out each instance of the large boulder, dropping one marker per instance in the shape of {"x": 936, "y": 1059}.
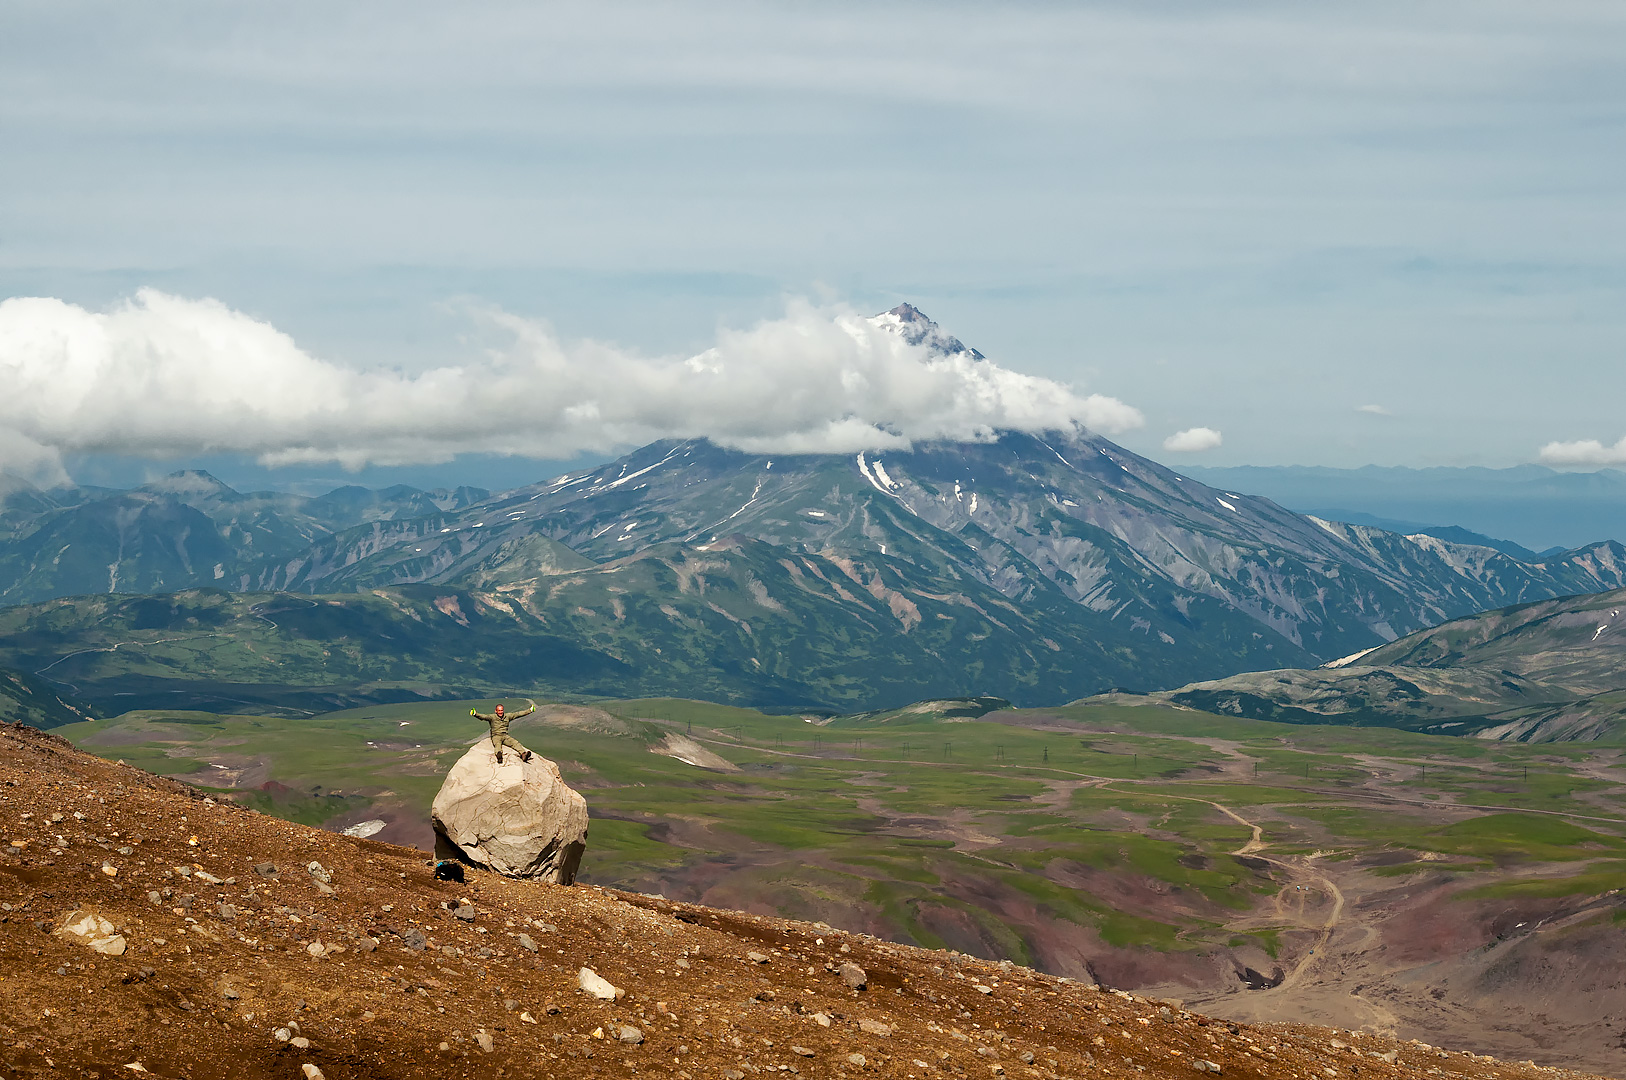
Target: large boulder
{"x": 519, "y": 818}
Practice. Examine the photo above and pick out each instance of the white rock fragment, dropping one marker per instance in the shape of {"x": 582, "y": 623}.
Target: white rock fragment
{"x": 86, "y": 926}
{"x": 591, "y": 982}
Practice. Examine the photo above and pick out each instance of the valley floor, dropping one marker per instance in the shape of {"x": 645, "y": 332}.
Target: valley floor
{"x": 252, "y": 947}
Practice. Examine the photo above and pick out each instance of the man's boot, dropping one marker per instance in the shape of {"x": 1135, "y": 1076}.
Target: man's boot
{"x": 526, "y": 756}
{"x": 499, "y": 757}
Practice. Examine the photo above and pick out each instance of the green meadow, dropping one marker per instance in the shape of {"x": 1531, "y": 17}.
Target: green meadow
{"x": 997, "y": 835}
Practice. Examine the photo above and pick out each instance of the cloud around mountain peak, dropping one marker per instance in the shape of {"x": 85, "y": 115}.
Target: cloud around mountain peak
{"x": 163, "y": 376}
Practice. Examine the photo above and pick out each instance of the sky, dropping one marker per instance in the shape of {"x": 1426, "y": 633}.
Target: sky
{"x": 468, "y": 243}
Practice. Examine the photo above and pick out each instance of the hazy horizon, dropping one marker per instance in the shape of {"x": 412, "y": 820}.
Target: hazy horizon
{"x": 1264, "y": 234}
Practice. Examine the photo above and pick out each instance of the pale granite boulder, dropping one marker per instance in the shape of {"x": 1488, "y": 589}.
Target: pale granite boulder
{"x": 519, "y": 818}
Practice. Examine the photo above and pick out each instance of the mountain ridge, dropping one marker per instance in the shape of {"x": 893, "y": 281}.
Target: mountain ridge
{"x": 1546, "y": 671}
{"x": 1137, "y": 575}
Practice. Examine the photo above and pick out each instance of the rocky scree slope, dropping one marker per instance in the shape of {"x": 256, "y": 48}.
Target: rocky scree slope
{"x": 1549, "y": 671}
{"x": 234, "y": 945}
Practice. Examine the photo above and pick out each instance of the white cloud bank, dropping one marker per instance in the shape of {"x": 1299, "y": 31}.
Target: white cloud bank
{"x": 164, "y": 376}
{"x": 1193, "y": 440}
{"x": 1583, "y": 452}
{"x": 1373, "y": 410}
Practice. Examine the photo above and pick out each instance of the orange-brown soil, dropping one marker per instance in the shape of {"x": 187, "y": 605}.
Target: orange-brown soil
{"x": 388, "y": 972}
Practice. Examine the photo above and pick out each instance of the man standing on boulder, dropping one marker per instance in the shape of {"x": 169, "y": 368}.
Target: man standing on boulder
{"x": 499, "y": 729}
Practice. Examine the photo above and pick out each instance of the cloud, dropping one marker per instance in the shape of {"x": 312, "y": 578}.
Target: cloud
{"x": 1583, "y": 452}
{"x": 1374, "y": 410}
{"x": 1193, "y": 440}
{"x": 163, "y": 376}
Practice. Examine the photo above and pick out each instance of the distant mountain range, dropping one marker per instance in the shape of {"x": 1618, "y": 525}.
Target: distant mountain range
{"x": 1550, "y": 671}
{"x": 1035, "y": 567}
{"x": 1537, "y": 508}
{"x": 183, "y": 531}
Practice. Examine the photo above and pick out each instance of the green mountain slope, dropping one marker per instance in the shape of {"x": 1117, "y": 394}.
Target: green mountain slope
{"x": 183, "y": 531}
{"x": 25, "y": 699}
{"x": 739, "y": 621}
{"x": 1554, "y": 670}
{"x": 1115, "y": 533}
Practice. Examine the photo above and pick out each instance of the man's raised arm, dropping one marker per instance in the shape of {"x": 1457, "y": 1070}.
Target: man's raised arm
{"x": 527, "y": 712}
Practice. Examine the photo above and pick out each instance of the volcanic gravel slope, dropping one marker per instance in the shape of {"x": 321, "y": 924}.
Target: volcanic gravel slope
{"x": 387, "y": 972}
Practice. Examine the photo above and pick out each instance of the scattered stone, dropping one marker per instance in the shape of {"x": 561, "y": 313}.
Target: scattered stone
{"x": 590, "y": 981}
{"x": 311, "y": 1072}
{"x": 414, "y": 940}
{"x": 110, "y": 870}
{"x": 282, "y": 1034}
{"x": 267, "y": 870}
{"x": 320, "y": 873}
{"x": 299, "y": 1042}
{"x": 874, "y": 1027}
{"x": 733, "y": 1074}
{"x": 853, "y": 975}
{"x": 527, "y": 1018}
{"x": 552, "y": 1009}
{"x": 230, "y": 994}
{"x": 464, "y": 912}
{"x": 981, "y": 989}
{"x": 520, "y": 819}
{"x": 630, "y": 1036}
{"x": 857, "y": 1059}
{"x": 1027, "y": 1057}
{"x": 524, "y": 941}
{"x": 1206, "y": 1066}
{"x": 483, "y": 1039}
{"x": 757, "y": 958}
{"x": 822, "y": 1019}
{"x": 509, "y": 1004}
{"x": 988, "y": 1052}
{"x": 804, "y": 1051}
{"x": 226, "y": 912}
{"x": 366, "y": 944}
{"x": 154, "y": 896}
